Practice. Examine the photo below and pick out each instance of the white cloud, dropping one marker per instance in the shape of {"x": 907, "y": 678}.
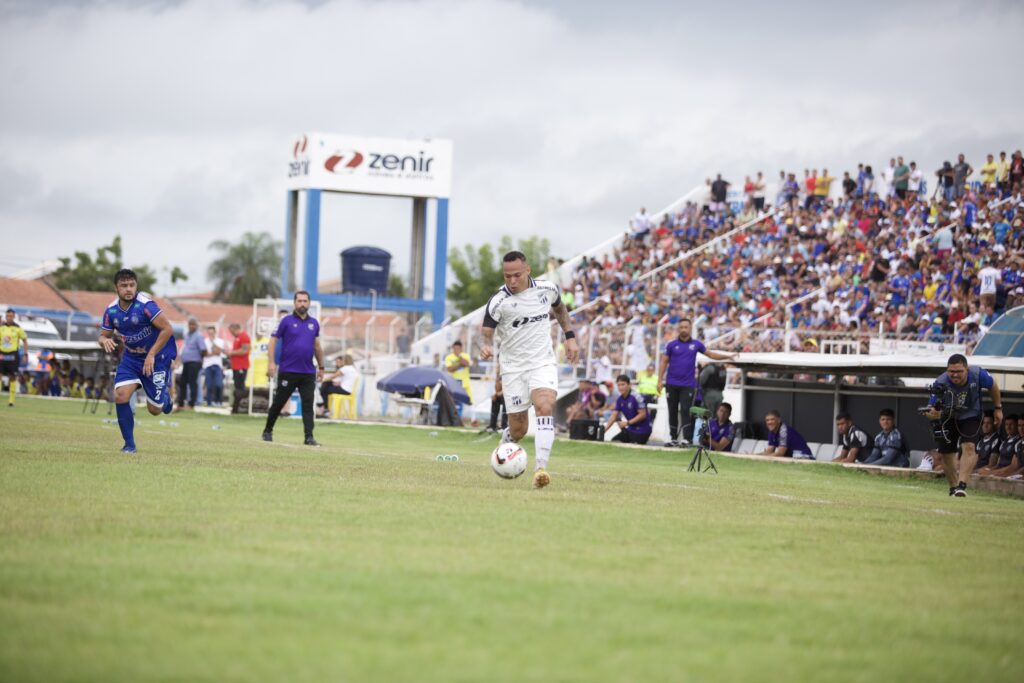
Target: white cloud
{"x": 168, "y": 123}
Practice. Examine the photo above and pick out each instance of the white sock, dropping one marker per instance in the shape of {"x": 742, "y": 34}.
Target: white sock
{"x": 544, "y": 440}
{"x": 506, "y": 436}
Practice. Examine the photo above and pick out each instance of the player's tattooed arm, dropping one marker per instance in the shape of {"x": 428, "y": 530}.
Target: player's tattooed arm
{"x": 561, "y": 313}
{"x": 485, "y": 343}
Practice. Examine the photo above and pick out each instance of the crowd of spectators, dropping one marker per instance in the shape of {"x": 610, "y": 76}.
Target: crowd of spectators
{"x": 874, "y": 253}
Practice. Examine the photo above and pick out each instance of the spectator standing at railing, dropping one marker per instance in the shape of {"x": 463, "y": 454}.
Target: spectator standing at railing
{"x": 641, "y": 224}
{"x": 849, "y": 186}
{"x": 988, "y": 172}
{"x": 678, "y": 375}
{"x": 757, "y": 194}
{"x": 719, "y": 192}
{"x": 822, "y": 187}
{"x": 961, "y": 172}
{"x": 901, "y": 179}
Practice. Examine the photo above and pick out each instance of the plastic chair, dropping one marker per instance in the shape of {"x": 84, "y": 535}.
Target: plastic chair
{"x": 341, "y": 405}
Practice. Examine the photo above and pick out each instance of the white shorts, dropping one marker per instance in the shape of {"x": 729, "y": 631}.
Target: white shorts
{"x": 518, "y": 386}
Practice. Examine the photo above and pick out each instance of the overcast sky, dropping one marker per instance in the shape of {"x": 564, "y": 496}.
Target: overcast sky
{"x": 169, "y": 122}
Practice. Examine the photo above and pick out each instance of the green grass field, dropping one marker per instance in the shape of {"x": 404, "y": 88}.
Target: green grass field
{"x": 212, "y": 556}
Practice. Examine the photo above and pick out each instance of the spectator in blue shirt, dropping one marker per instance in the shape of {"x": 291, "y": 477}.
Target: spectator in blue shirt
{"x": 191, "y": 359}
{"x": 783, "y": 440}
{"x": 630, "y": 414}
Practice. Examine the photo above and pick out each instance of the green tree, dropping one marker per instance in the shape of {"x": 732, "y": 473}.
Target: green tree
{"x": 97, "y": 274}
{"x": 247, "y": 270}
{"x": 396, "y": 286}
{"x": 478, "y": 270}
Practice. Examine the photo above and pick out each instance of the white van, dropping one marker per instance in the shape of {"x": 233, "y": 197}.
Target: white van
{"x": 40, "y": 333}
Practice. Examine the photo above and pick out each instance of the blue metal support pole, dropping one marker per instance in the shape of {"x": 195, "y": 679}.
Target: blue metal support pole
{"x": 440, "y": 263}
{"x": 312, "y": 252}
{"x": 289, "y": 246}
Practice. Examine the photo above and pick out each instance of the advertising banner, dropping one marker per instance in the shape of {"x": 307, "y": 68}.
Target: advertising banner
{"x": 384, "y": 166}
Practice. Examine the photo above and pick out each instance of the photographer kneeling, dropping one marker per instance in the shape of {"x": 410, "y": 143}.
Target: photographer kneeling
{"x": 955, "y": 412}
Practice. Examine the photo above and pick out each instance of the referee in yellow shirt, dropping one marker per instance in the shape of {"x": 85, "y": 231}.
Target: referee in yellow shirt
{"x": 11, "y": 337}
{"x": 457, "y": 364}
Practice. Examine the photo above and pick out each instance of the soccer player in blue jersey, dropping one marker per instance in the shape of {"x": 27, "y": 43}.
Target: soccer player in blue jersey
{"x": 149, "y": 350}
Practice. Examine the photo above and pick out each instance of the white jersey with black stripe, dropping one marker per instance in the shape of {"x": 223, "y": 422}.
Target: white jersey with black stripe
{"x": 522, "y": 326}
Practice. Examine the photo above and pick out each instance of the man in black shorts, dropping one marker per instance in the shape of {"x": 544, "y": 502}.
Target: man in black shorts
{"x": 955, "y": 412}
{"x": 11, "y": 338}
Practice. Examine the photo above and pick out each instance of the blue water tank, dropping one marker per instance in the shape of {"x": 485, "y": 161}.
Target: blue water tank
{"x": 365, "y": 268}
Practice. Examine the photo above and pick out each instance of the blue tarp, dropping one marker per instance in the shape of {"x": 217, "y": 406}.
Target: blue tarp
{"x": 412, "y": 381}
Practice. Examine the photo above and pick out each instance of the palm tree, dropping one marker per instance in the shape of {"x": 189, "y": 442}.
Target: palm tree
{"x": 247, "y": 270}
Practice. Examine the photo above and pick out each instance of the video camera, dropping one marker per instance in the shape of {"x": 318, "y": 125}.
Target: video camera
{"x": 945, "y": 402}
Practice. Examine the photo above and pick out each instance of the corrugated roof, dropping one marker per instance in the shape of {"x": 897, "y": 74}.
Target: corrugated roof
{"x": 34, "y": 293}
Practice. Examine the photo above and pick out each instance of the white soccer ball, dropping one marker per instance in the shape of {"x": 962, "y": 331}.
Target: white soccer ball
{"x": 509, "y": 460}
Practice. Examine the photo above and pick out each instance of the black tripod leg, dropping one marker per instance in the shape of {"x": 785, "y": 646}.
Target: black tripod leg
{"x": 711, "y": 464}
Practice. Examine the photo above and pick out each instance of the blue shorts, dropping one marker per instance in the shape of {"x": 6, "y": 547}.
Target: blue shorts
{"x": 156, "y": 386}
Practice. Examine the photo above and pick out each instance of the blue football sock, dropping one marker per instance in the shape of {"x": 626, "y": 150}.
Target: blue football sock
{"x": 126, "y": 421}
{"x": 168, "y": 405}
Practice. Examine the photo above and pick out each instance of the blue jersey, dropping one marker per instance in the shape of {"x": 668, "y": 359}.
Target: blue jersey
{"x": 789, "y": 438}
{"x": 135, "y": 325}
{"x": 718, "y": 431}
{"x": 682, "y": 362}
{"x": 629, "y": 406}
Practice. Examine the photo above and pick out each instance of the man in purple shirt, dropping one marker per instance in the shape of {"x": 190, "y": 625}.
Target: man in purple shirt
{"x": 678, "y": 372}
{"x": 720, "y": 430}
{"x": 783, "y": 440}
{"x": 299, "y": 337}
{"x": 630, "y": 414}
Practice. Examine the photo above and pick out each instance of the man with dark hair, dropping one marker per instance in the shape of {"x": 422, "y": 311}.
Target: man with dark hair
{"x": 988, "y": 444}
{"x": 890, "y": 446}
{"x": 517, "y": 316}
{"x": 239, "y": 356}
{"x": 955, "y": 411}
{"x": 12, "y": 336}
{"x": 678, "y": 373}
{"x": 853, "y": 439}
{"x": 783, "y": 440}
{"x": 149, "y": 351}
{"x": 630, "y": 414}
{"x": 1006, "y": 459}
{"x": 193, "y": 350}
{"x": 457, "y": 364}
{"x": 720, "y": 429}
{"x": 299, "y": 336}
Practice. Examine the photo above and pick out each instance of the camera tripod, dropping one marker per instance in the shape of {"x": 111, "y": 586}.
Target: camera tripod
{"x": 702, "y": 454}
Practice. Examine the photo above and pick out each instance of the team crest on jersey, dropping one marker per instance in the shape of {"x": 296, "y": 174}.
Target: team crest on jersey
{"x": 135, "y": 320}
{"x": 309, "y": 325}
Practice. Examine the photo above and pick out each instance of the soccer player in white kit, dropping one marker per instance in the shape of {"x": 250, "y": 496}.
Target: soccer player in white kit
{"x": 519, "y": 312}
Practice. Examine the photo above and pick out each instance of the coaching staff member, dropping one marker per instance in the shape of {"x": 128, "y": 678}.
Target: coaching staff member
{"x": 299, "y": 337}
{"x": 678, "y": 372}
{"x": 955, "y": 412}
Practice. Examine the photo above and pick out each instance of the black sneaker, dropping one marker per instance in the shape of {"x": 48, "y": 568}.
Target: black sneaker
{"x": 672, "y": 443}
{"x": 310, "y": 441}
{"x": 960, "y": 490}
{"x": 268, "y": 436}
